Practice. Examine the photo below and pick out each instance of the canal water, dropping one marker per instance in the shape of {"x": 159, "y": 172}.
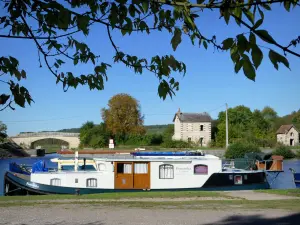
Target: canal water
{"x": 283, "y": 181}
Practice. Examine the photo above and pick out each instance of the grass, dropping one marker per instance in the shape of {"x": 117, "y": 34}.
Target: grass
{"x": 169, "y": 194}
{"x": 288, "y": 192}
{"x": 193, "y": 205}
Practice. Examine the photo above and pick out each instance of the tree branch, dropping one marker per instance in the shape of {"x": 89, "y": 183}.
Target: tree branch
{"x": 216, "y": 5}
{"x": 8, "y": 105}
{"x": 266, "y": 38}
{"x": 39, "y": 38}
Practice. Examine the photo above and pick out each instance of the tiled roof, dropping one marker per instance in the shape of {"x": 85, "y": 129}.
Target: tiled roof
{"x": 283, "y": 129}
{"x": 193, "y": 117}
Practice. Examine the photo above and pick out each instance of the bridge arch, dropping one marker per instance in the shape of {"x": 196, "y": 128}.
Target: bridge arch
{"x": 46, "y": 142}
{"x": 26, "y": 139}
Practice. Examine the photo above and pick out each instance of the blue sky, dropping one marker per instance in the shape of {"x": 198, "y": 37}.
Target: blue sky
{"x": 210, "y": 81}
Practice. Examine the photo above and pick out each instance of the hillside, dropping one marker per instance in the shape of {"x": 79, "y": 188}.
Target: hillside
{"x": 151, "y": 129}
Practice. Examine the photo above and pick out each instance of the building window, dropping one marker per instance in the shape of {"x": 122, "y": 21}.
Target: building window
{"x": 292, "y": 134}
{"x": 55, "y": 182}
{"x": 201, "y": 127}
{"x": 201, "y": 169}
{"x": 76, "y": 180}
{"x": 166, "y": 171}
{"x": 91, "y": 182}
{"x": 189, "y": 139}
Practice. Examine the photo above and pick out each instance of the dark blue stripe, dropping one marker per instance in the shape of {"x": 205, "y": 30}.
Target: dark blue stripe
{"x": 49, "y": 189}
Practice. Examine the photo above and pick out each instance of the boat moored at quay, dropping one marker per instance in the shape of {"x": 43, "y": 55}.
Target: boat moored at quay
{"x": 141, "y": 171}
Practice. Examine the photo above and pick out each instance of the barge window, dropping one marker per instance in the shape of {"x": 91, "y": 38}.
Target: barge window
{"x": 166, "y": 171}
{"x": 55, "y": 182}
{"x": 91, "y": 182}
{"x": 141, "y": 168}
{"x": 125, "y": 168}
{"x": 101, "y": 167}
{"x": 201, "y": 169}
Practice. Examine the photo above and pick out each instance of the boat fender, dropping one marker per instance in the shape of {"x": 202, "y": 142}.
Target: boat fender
{"x": 77, "y": 191}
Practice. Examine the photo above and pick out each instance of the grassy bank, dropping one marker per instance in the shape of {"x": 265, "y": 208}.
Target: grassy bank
{"x": 292, "y": 205}
{"x": 117, "y": 196}
{"x": 288, "y": 192}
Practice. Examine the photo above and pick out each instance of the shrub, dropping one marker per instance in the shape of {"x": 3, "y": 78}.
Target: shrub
{"x": 239, "y": 149}
{"x": 146, "y": 140}
{"x": 298, "y": 154}
{"x": 97, "y": 142}
{"x": 175, "y": 144}
{"x": 284, "y": 151}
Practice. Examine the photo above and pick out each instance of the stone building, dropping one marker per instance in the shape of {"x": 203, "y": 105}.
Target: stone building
{"x": 192, "y": 127}
{"x": 288, "y": 135}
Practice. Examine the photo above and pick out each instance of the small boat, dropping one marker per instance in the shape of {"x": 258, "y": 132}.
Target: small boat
{"x": 296, "y": 177}
{"x": 137, "y": 171}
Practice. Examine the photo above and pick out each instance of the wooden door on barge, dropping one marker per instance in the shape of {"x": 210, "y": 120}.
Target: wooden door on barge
{"x": 132, "y": 175}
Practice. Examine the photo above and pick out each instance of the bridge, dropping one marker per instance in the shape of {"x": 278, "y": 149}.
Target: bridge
{"x": 26, "y": 139}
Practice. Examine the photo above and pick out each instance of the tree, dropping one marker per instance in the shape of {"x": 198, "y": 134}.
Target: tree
{"x": 86, "y": 133}
{"x": 3, "y": 129}
{"x": 56, "y": 30}
{"x": 168, "y": 132}
{"x": 123, "y": 116}
{"x": 92, "y": 135}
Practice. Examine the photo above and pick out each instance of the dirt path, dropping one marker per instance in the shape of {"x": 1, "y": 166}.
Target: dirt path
{"x": 99, "y": 215}
{"x": 252, "y": 195}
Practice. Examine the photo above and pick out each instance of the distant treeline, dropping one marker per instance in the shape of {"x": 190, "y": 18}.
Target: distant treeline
{"x": 150, "y": 129}
{"x": 257, "y": 126}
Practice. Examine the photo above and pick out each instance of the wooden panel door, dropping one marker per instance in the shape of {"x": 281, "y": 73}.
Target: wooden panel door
{"x": 123, "y": 175}
{"x": 141, "y": 175}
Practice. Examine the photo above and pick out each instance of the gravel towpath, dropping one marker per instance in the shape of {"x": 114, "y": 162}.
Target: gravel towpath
{"x": 100, "y": 215}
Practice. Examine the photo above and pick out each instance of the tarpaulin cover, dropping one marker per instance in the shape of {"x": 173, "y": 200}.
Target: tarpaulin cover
{"x": 248, "y": 162}
{"x": 39, "y": 166}
{"x": 13, "y": 167}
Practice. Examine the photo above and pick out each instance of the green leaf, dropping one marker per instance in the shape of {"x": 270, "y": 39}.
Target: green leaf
{"x": 238, "y": 65}
{"x": 261, "y": 13}
{"x": 163, "y": 89}
{"x": 277, "y": 58}
{"x": 257, "y": 56}
{"x": 287, "y": 5}
{"x": 18, "y": 75}
{"x": 242, "y": 43}
{"x": 248, "y": 69}
{"x": 176, "y": 40}
{"x": 3, "y": 99}
{"x": 252, "y": 39}
{"x": 23, "y": 74}
{"x": 19, "y": 99}
{"x": 234, "y": 54}
{"x": 132, "y": 10}
{"x": 265, "y": 36}
{"x": 227, "y": 43}
{"x": 205, "y": 44}
{"x": 266, "y": 6}
{"x": 249, "y": 15}
{"x": 238, "y": 13}
{"x": 226, "y": 16}
{"x": 257, "y": 24}
{"x": 145, "y": 6}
